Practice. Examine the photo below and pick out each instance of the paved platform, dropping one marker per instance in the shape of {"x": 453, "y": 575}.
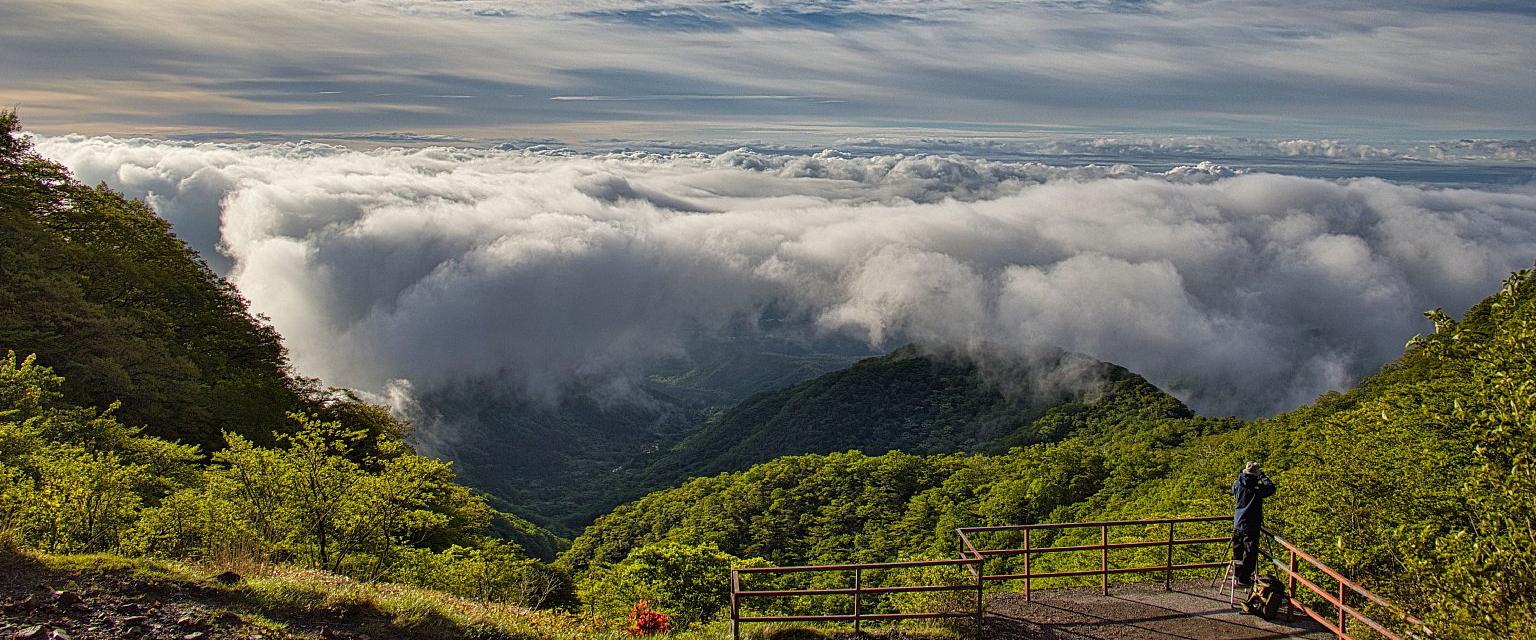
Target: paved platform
{"x": 1191, "y": 611}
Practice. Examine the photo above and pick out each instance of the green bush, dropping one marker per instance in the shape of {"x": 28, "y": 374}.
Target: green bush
{"x": 689, "y": 583}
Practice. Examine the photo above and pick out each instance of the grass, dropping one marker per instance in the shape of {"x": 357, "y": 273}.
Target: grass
{"x": 287, "y": 600}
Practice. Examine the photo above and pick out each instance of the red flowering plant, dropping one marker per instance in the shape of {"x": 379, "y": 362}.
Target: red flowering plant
{"x": 643, "y": 620}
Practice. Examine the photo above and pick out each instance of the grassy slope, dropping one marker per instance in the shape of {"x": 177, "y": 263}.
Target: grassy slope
{"x": 274, "y": 601}
{"x": 124, "y": 597}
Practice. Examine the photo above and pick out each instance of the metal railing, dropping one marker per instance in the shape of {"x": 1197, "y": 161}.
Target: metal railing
{"x": 858, "y": 591}
{"x": 1028, "y": 551}
{"x": 1338, "y": 597}
{"x": 974, "y": 559}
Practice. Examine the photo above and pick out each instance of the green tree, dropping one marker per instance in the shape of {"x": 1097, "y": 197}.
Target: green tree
{"x": 1486, "y": 563}
{"x": 689, "y": 583}
{"x": 129, "y": 314}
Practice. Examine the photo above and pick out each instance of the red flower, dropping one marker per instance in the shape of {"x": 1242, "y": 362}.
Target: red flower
{"x": 643, "y": 620}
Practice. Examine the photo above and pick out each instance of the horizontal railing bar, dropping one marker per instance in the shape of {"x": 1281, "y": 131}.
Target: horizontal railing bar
{"x": 1104, "y": 523}
{"x": 1056, "y": 574}
{"x": 914, "y": 589}
{"x": 1203, "y": 565}
{"x": 915, "y": 616}
{"x": 786, "y": 593}
{"x": 851, "y": 567}
{"x": 1094, "y": 572}
{"x": 1321, "y": 592}
{"x": 807, "y": 618}
{"x": 781, "y": 593}
{"x": 1343, "y": 580}
{"x": 1096, "y": 547}
{"x": 849, "y": 616}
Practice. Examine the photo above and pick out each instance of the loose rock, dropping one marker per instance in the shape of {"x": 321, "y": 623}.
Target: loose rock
{"x": 28, "y": 633}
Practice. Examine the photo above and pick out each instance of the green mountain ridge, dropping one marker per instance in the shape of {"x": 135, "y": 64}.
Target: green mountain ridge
{"x": 914, "y": 402}
{"x": 562, "y": 463}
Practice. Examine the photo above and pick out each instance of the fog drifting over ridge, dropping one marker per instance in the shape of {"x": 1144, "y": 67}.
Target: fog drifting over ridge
{"x": 1239, "y": 293}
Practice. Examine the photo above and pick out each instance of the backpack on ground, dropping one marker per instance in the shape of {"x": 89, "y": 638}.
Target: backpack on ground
{"x": 1265, "y": 599}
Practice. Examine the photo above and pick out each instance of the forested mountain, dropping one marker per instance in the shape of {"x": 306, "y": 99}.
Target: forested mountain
{"x": 107, "y": 296}
{"x": 563, "y": 462}
{"x": 917, "y": 403}
{"x": 143, "y": 408}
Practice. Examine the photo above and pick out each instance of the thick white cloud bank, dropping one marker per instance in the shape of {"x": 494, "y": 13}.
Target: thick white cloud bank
{"x": 1240, "y": 293}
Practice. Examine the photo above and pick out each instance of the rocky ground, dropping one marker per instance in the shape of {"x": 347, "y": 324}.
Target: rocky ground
{"x": 41, "y": 603}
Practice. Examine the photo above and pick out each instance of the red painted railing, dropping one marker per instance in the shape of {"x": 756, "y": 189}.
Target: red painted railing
{"x": 858, "y": 591}
{"x": 1339, "y": 597}
{"x": 974, "y": 559}
{"x": 1028, "y": 551}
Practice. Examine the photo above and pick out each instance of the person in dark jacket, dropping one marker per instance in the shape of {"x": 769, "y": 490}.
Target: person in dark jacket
{"x": 1250, "y": 489}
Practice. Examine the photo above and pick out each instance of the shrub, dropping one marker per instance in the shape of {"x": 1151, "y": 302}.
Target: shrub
{"x": 690, "y": 583}
{"x": 643, "y": 620}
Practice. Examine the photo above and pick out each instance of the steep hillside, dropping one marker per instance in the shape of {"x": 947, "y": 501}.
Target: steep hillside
{"x": 917, "y": 403}
{"x": 271, "y": 468}
{"x": 101, "y": 289}
{"x": 562, "y": 463}
{"x": 548, "y": 461}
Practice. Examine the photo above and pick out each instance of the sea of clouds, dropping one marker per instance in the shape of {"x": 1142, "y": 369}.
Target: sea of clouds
{"x": 1243, "y": 293}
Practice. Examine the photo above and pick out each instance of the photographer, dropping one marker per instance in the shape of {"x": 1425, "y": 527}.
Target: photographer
{"x": 1250, "y": 489}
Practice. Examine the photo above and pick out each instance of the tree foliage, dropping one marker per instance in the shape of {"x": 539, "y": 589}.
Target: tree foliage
{"x": 1486, "y": 556}
{"x": 105, "y": 294}
{"x": 688, "y": 583}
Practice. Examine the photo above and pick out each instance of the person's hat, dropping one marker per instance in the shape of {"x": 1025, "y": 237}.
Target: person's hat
{"x": 1251, "y": 467}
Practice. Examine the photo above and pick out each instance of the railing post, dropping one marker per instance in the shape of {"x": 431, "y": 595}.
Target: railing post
{"x": 1027, "y": 579}
{"x": 858, "y": 609}
{"x": 1168, "y": 575}
{"x": 735, "y": 606}
{"x": 1104, "y": 559}
{"x": 1342, "y": 619}
{"x": 1290, "y": 578}
{"x": 980, "y": 607}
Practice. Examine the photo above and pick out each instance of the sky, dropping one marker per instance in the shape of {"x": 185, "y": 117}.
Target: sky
{"x": 1249, "y": 203}
{"x": 799, "y": 71}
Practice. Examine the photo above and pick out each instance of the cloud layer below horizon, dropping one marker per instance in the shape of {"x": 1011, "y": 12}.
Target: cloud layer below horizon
{"x": 1242, "y": 293}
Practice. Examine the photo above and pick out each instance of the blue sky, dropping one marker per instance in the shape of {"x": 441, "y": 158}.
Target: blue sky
{"x": 796, "y": 71}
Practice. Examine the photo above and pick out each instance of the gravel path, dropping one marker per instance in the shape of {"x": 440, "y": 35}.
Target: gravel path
{"x": 1191, "y": 611}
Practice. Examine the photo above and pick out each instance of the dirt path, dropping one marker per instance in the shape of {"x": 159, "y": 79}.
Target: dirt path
{"x": 1191, "y": 611}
